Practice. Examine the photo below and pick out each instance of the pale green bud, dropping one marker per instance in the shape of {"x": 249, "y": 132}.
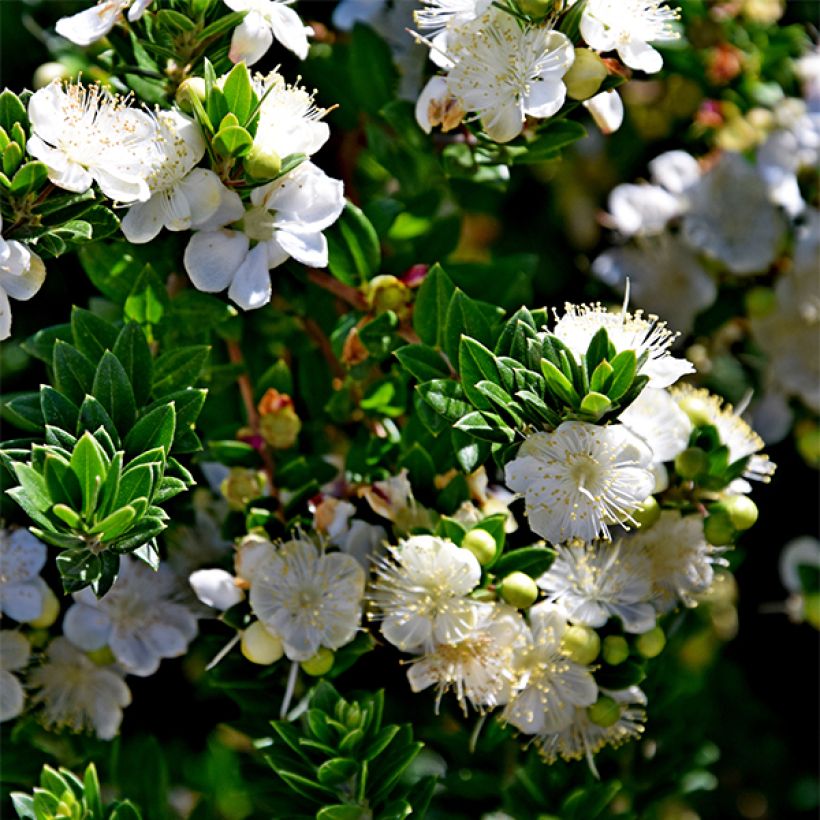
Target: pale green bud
{"x": 188, "y": 89}
{"x": 585, "y": 75}
{"x": 519, "y": 590}
{"x": 581, "y": 644}
{"x": 691, "y": 462}
{"x": 742, "y": 511}
{"x": 648, "y": 513}
{"x": 320, "y": 664}
{"x": 481, "y": 544}
{"x": 718, "y": 529}
{"x": 262, "y": 163}
{"x": 651, "y": 643}
{"x": 535, "y": 8}
{"x": 260, "y": 646}
{"x": 616, "y": 649}
{"x": 50, "y": 611}
{"x": 386, "y": 292}
{"x": 604, "y": 712}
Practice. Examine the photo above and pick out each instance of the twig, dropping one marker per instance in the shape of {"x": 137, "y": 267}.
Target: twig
{"x": 318, "y": 335}
{"x": 346, "y": 293}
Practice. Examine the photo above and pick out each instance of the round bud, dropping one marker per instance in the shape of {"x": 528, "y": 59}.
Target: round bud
{"x": 519, "y": 590}
{"x": 648, "y": 513}
{"x": 604, "y": 712}
{"x": 697, "y": 409}
{"x": 616, "y": 649}
{"x": 808, "y": 445}
{"x": 811, "y": 609}
{"x": 320, "y": 664}
{"x": 718, "y": 528}
{"x": 49, "y": 612}
{"x": 262, "y": 163}
{"x": 535, "y": 8}
{"x": 481, "y": 544}
{"x": 386, "y": 292}
{"x": 691, "y": 462}
{"x": 651, "y": 643}
{"x": 192, "y": 87}
{"x": 742, "y": 511}
{"x": 586, "y": 74}
{"x": 102, "y": 656}
{"x": 760, "y": 301}
{"x": 48, "y": 72}
{"x": 581, "y": 644}
{"x": 260, "y": 646}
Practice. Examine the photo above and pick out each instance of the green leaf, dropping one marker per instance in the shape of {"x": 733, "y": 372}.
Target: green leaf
{"x": 57, "y": 410}
{"x": 233, "y": 141}
{"x": 112, "y": 389}
{"x": 92, "y": 335}
{"x": 11, "y": 111}
{"x": 12, "y": 157}
{"x": 29, "y": 177}
{"x": 113, "y": 267}
{"x": 446, "y": 397}
{"x": 422, "y": 362}
{"x": 307, "y": 788}
{"x": 559, "y": 385}
{"x": 420, "y": 466}
{"x": 94, "y": 416}
{"x": 594, "y": 405}
{"x": 373, "y": 76}
{"x": 335, "y": 771}
{"x": 41, "y": 344}
{"x": 91, "y": 789}
{"x": 34, "y": 486}
{"x": 432, "y": 302}
{"x": 591, "y": 801}
{"x": 487, "y": 427}
{"x": 132, "y": 350}
{"x": 624, "y": 367}
{"x": 598, "y": 349}
{"x": 63, "y": 486}
{"x": 148, "y": 300}
{"x": 470, "y": 452}
{"x": 115, "y": 525}
{"x": 343, "y": 811}
{"x": 178, "y": 369}
{"x": 600, "y": 376}
{"x": 23, "y": 410}
{"x": 73, "y": 372}
{"x": 551, "y": 138}
{"x": 464, "y": 318}
{"x": 68, "y": 516}
{"x": 354, "y": 253}
{"x": 88, "y": 463}
{"x": 534, "y": 561}
{"x": 154, "y": 429}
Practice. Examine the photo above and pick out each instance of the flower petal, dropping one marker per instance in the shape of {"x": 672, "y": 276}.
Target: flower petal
{"x": 308, "y": 248}
{"x": 143, "y": 220}
{"x": 86, "y": 27}
{"x": 213, "y": 257}
{"x": 641, "y": 56}
{"x": 87, "y": 627}
{"x": 203, "y": 191}
{"x": 251, "y": 39}
{"x": 289, "y": 29}
{"x": 251, "y": 285}
{"x": 22, "y": 601}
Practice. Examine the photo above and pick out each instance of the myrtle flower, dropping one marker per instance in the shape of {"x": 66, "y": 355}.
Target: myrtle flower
{"x": 440, "y": 16}
{"x": 657, "y": 419}
{"x": 504, "y": 73}
{"x": 307, "y": 598}
{"x": 181, "y": 195}
{"x": 22, "y": 274}
{"x": 78, "y": 694}
{"x": 14, "y": 654}
{"x": 590, "y": 583}
{"x": 265, "y": 21}
{"x": 628, "y": 27}
{"x": 393, "y": 499}
{"x": 22, "y": 591}
{"x": 627, "y": 331}
{"x": 86, "y": 27}
{"x": 85, "y": 135}
{"x": 551, "y": 685}
{"x": 421, "y": 593}
{"x": 479, "y": 667}
{"x": 138, "y": 619}
{"x": 286, "y": 219}
{"x": 580, "y": 478}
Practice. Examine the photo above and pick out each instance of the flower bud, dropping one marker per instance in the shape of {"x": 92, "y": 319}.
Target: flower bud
{"x": 48, "y": 72}
{"x": 808, "y": 443}
{"x": 697, "y": 409}
{"x": 811, "y": 609}
{"x": 616, "y": 649}
{"x": 386, "y": 292}
{"x": 535, "y": 8}
{"x": 648, "y": 513}
{"x": 691, "y": 462}
{"x": 320, "y": 664}
{"x": 49, "y": 612}
{"x": 519, "y": 590}
{"x": 481, "y": 544}
{"x": 604, "y": 712}
{"x": 188, "y": 89}
{"x": 262, "y": 163}
{"x": 760, "y": 301}
{"x": 718, "y": 529}
{"x": 241, "y": 486}
{"x": 260, "y": 646}
{"x": 651, "y": 643}
{"x": 742, "y": 511}
{"x": 581, "y": 644}
{"x": 216, "y": 588}
{"x": 585, "y": 75}
{"x": 102, "y": 656}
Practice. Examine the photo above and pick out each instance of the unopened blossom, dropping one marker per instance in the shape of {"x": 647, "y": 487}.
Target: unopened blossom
{"x": 77, "y": 694}
{"x": 138, "y": 619}
{"x": 643, "y": 333}
{"x": 580, "y": 478}
{"x": 92, "y": 24}
{"x": 421, "y": 591}
{"x": 14, "y": 654}
{"x": 84, "y": 135}
{"x": 22, "y": 274}
{"x": 656, "y": 418}
{"x": 308, "y": 598}
{"x": 590, "y": 583}
{"x": 216, "y": 588}
{"x": 285, "y": 219}
{"x": 551, "y": 685}
{"x": 265, "y": 21}
{"x": 22, "y": 591}
{"x": 628, "y": 27}
{"x": 607, "y": 110}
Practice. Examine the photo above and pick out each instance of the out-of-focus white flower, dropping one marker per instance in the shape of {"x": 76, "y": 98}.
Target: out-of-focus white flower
{"x": 580, "y": 478}
{"x": 22, "y": 591}
{"x": 657, "y": 419}
{"x": 421, "y": 593}
{"x": 551, "y": 685}
{"x": 307, "y": 598}
{"x": 504, "y": 73}
{"x": 628, "y": 27}
{"x": 799, "y": 552}
{"x": 286, "y": 219}
{"x": 438, "y": 17}
{"x": 265, "y": 21}
{"x": 78, "y": 694}
{"x": 362, "y": 540}
{"x": 627, "y": 331}
{"x": 94, "y": 23}
{"x": 479, "y": 667}
{"x": 85, "y": 135}
{"x": 22, "y": 274}
{"x": 642, "y": 209}
{"x": 137, "y": 619}
{"x": 676, "y": 171}
{"x": 14, "y": 654}
{"x": 393, "y": 499}
{"x": 590, "y": 583}
{"x": 216, "y": 588}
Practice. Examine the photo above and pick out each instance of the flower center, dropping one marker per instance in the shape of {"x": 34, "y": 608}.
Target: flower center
{"x": 258, "y": 224}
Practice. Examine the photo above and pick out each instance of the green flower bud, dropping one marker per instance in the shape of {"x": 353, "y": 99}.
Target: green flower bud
{"x": 320, "y": 664}
{"x": 102, "y": 656}
{"x": 760, "y": 301}
{"x": 385, "y": 292}
{"x": 718, "y": 528}
{"x": 808, "y": 444}
{"x": 260, "y": 646}
{"x": 581, "y": 644}
{"x": 262, "y": 163}
{"x": 49, "y": 612}
{"x": 188, "y": 89}
{"x": 811, "y": 609}
{"x": 691, "y": 462}
{"x": 481, "y": 544}
{"x": 604, "y": 712}
{"x": 742, "y": 511}
{"x": 519, "y": 590}
{"x": 585, "y": 75}
{"x": 241, "y": 486}
{"x": 648, "y": 513}
{"x": 48, "y": 72}
{"x": 697, "y": 409}
{"x": 535, "y": 8}
{"x": 616, "y": 649}
{"x": 651, "y": 643}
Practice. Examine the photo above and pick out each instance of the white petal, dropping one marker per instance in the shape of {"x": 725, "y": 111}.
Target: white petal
{"x": 213, "y": 257}
{"x": 607, "y": 110}
{"x": 288, "y": 29}
{"x": 546, "y": 96}
{"x": 22, "y": 273}
{"x": 137, "y": 9}
{"x": 64, "y": 174}
{"x": 12, "y": 696}
{"x": 87, "y": 627}
{"x": 165, "y": 640}
{"x": 203, "y": 190}
{"x": 505, "y": 122}
{"x": 641, "y": 56}
{"x": 24, "y": 555}
{"x": 45, "y": 115}
{"x": 216, "y": 588}
{"x": 251, "y": 285}
{"x": 596, "y": 34}
{"x": 230, "y": 209}
{"x": 436, "y": 89}
{"x": 88, "y": 26}
{"x": 143, "y": 220}
{"x": 22, "y": 601}
{"x": 134, "y": 654}
{"x": 5, "y": 315}
{"x": 251, "y": 40}
{"x": 121, "y": 187}
{"x": 308, "y": 248}
{"x": 675, "y": 170}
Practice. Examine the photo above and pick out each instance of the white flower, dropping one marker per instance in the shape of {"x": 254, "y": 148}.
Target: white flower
{"x": 590, "y": 583}
{"x": 307, "y": 598}
{"x": 657, "y": 419}
{"x": 286, "y": 219}
{"x": 479, "y": 667}
{"x": 216, "y": 588}
{"x": 504, "y": 72}
{"x": 393, "y": 499}
{"x": 551, "y": 685}
{"x": 182, "y": 196}
{"x": 607, "y": 110}
{"x": 361, "y": 540}
{"x": 85, "y": 135}
{"x": 94, "y": 23}
{"x": 628, "y": 26}
{"x": 78, "y": 694}
{"x": 579, "y": 478}
{"x": 421, "y": 593}
{"x": 22, "y": 274}
{"x": 626, "y": 331}
{"x": 137, "y": 619}
{"x": 440, "y": 16}
{"x": 799, "y": 552}
{"x": 22, "y": 591}
{"x": 14, "y": 654}
{"x": 264, "y": 21}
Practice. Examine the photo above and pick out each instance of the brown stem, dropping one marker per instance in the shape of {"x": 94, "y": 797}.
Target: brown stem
{"x": 318, "y": 335}
{"x": 346, "y": 293}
